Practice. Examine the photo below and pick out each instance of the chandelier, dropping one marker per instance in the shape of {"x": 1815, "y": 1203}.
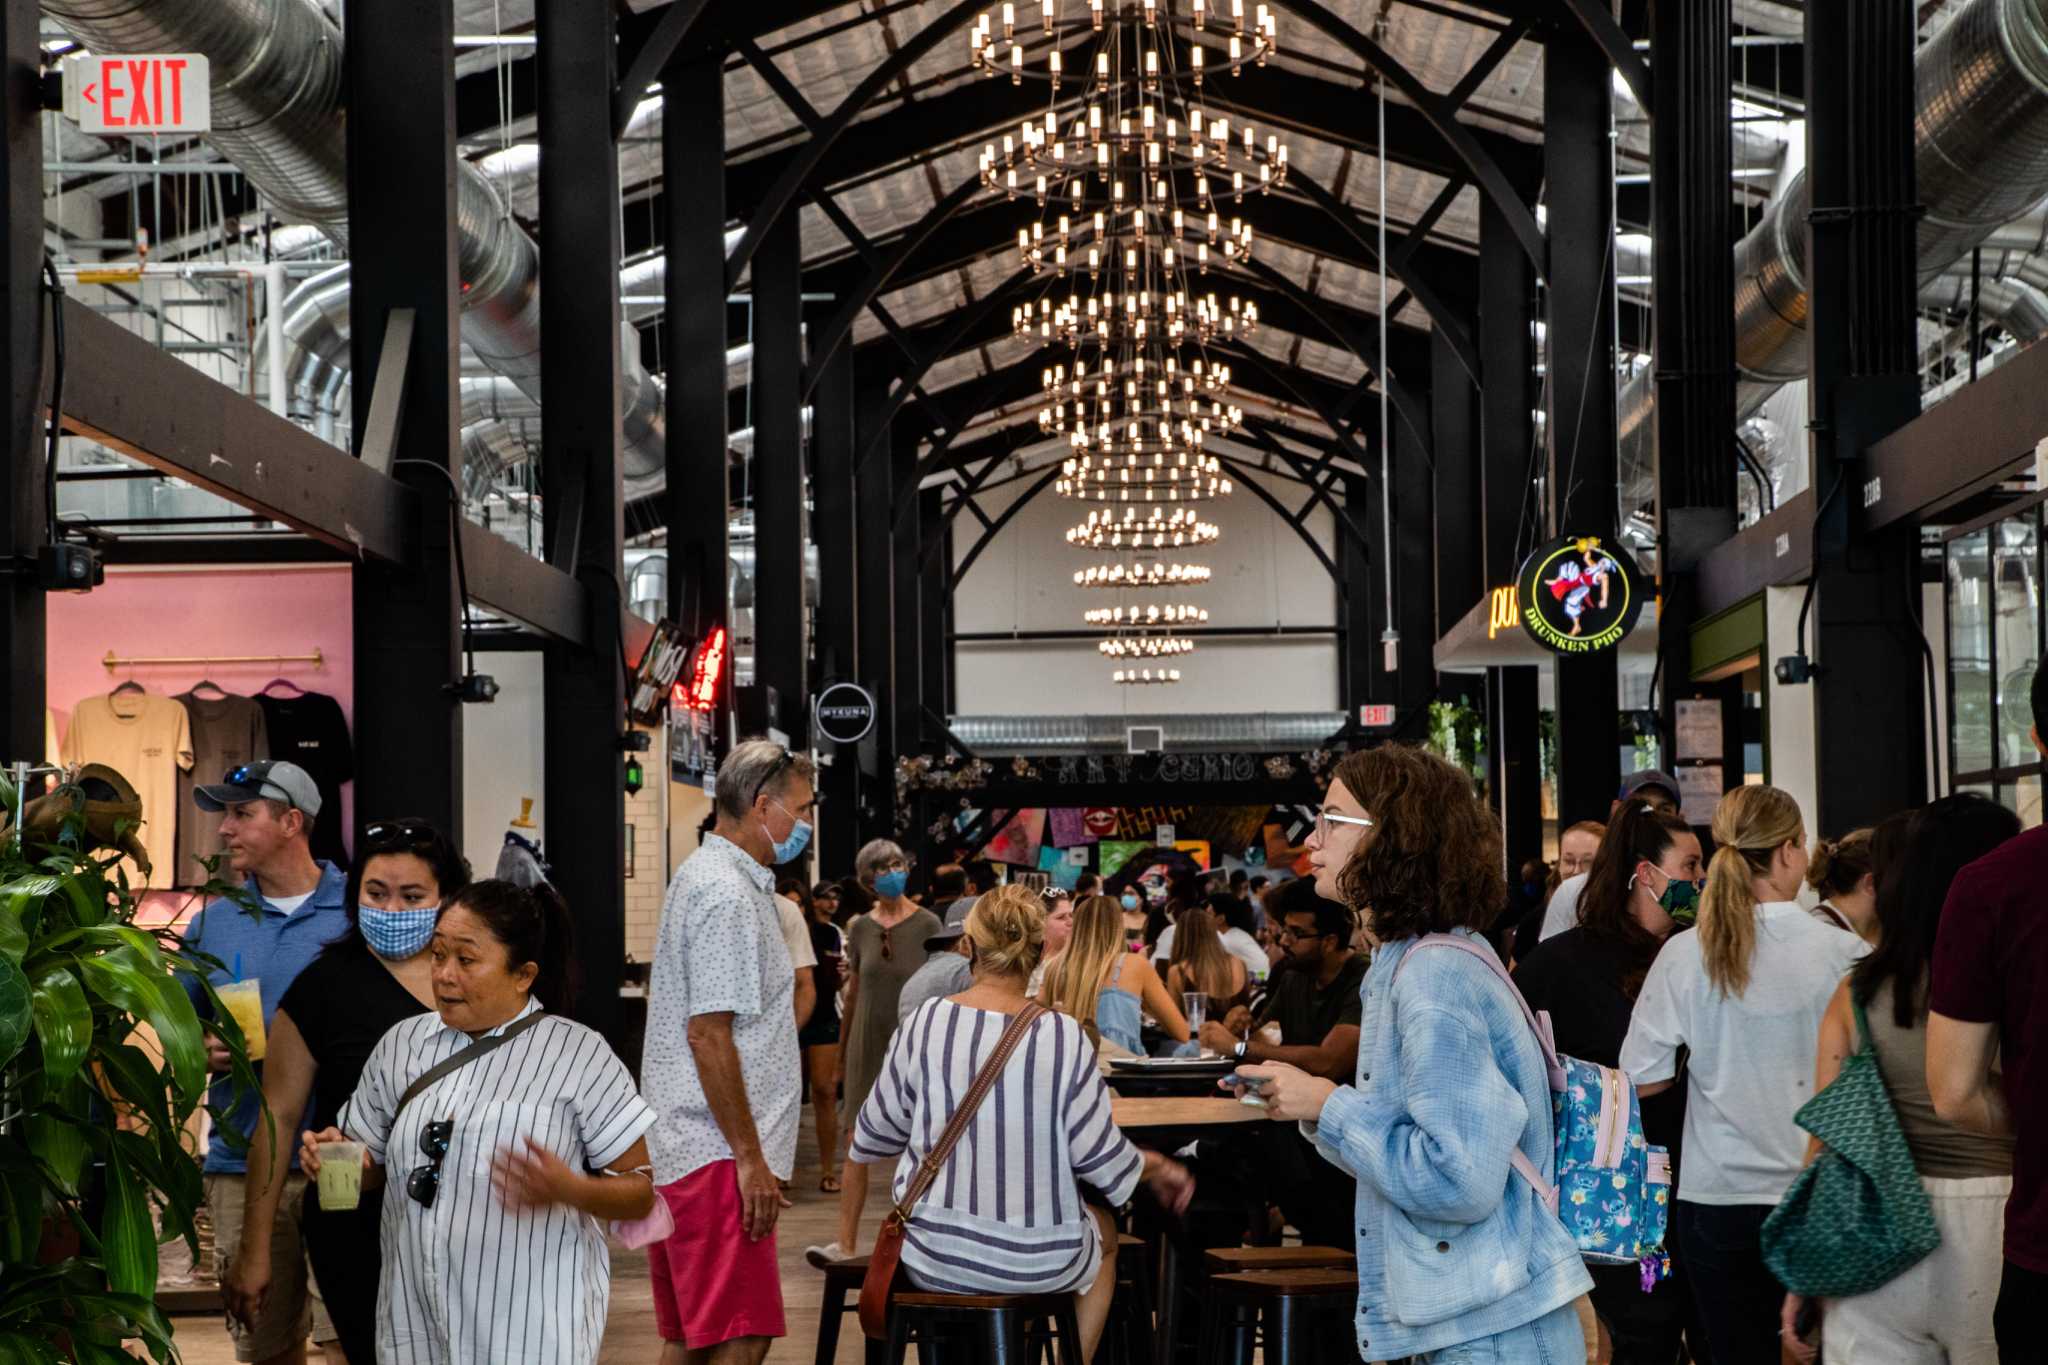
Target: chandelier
{"x": 1141, "y": 574}
{"x": 1147, "y": 615}
{"x": 1138, "y": 676}
{"x": 1145, "y": 646}
{"x": 1157, "y": 528}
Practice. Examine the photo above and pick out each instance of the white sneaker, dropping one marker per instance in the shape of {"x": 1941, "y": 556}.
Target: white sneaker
{"x": 825, "y": 1257}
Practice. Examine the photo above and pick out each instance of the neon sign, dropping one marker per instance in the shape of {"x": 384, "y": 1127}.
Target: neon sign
{"x": 700, "y": 693}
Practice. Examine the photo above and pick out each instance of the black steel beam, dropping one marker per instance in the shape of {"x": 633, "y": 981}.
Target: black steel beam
{"x": 583, "y": 528}
{"x": 1507, "y": 290}
{"x": 1861, "y": 375}
{"x": 23, "y": 632}
{"x": 408, "y": 618}
{"x": 836, "y": 644}
{"x": 1692, "y": 273}
{"x": 906, "y": 702}
{"x": 1460, "y": 514}
{"x": 1581, "y": 423}
{"x": 874, "y": 541}
{"x": 1514, "y": 761}
{"x": 651, "y": 54}
{"x": 935, "y": 603}
{"x": 1359, "y": 599}
{"x": 697, "y": 495}
{"x": 1414, "y": 560}
{"x": 781, "y": 631}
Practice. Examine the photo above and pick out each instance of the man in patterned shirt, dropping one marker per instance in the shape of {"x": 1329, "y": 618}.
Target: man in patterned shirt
{"x": 722, "y": 1069}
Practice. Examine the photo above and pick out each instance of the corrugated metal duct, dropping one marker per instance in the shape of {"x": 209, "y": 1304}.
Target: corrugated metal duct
{"x": 277, "y": 84}
{"x": 1980, "y": 152}
{"x": 1286, "y": 730}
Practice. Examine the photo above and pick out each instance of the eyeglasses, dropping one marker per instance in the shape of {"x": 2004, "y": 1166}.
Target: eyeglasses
{"x": 1325, "y": 819}
{"x": 425, "y": 1181}
{"x": 399, "y": 832}
{"x": 770, "y": 776}
{"x": 1289, "y": 934}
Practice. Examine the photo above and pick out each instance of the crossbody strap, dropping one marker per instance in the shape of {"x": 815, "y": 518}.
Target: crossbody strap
{"x": 956, "y": 1127}
{"x": 464, "y": 1058}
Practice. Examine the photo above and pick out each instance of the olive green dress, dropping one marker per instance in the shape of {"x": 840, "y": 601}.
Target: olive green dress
{"x": 866, "y": 1034}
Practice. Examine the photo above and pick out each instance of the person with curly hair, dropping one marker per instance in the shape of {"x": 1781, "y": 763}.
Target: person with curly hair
{"x": 1458, "y": 1255}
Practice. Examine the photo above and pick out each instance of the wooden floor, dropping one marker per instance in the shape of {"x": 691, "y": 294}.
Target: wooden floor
{"x": 630, "y": 1335}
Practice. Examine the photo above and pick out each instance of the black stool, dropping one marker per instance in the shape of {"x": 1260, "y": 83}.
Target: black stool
{"x": 1294, "y": 1308}
{"x": 990, "y": 1329}
{"x": 842, "y": 1296}
{"x": 1127, "y": 1339}
{"x": 1238, "y": 1260}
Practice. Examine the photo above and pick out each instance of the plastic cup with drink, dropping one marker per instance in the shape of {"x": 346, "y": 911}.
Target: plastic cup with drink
{"x": 1195, "y": 1004}
{"x": 341, "y": 1175}
{"x": 243, "y": 998}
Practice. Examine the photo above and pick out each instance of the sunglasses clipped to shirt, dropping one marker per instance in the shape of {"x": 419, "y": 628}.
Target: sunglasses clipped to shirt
{"x": 425, "y": 1181}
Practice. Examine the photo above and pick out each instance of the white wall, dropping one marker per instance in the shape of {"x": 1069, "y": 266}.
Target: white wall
{"x": 1791, "y": 762}
{"x": 501, "y": 757}
{"x": 1264, "y": 575}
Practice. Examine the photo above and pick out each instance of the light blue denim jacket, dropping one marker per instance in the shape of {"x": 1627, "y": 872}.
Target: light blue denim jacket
{"x": 1452, "y": 1245}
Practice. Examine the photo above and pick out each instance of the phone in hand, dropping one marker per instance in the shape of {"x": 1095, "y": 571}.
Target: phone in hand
{"x": 1249, "y": 1089}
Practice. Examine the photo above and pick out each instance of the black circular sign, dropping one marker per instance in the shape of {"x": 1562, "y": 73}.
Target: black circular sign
{"x": 846, "y": 712}
{"x": 1579, "y": 594}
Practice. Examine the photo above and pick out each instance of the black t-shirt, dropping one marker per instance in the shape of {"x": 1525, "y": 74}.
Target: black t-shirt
{"x": 1577, "y": 977}
{"x": 829, "y": 946}
{"x": 1305, "y": 1011}
{"x": 343, "y": 1005}
{"x": 310, "y": 730}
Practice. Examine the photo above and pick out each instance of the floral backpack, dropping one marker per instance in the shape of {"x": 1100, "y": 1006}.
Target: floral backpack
{"x": 1613, "y": 1190}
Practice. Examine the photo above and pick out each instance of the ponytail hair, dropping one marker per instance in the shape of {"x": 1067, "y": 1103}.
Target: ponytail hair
{"x": 533, "y": 924}
{"x": 1750, "y": 825}
{"x": 1838, "y": 865}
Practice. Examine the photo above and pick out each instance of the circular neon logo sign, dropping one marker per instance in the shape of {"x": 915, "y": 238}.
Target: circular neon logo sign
{"x": 1579, "y": 595}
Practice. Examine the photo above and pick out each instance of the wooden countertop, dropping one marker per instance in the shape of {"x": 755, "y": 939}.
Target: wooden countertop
{"x": 1178, "y": 1112}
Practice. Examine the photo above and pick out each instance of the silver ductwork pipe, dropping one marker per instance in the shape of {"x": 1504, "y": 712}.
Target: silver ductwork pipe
{"x": 1980, "y": 153}
{"x": 1111, "y": 734}
{"x": 277, "y": 85}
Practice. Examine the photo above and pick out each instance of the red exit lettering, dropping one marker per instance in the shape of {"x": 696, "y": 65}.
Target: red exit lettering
{"x": 149, "y": 93}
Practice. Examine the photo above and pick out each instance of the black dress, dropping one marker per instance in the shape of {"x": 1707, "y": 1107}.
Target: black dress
{"x": 342, "y": 1005}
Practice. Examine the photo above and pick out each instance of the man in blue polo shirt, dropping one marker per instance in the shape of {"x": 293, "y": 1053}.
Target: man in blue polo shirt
{"x": 270, "y": 808}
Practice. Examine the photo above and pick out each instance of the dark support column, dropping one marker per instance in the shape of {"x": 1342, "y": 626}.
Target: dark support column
{"x": 23, "y": 642}
{"x": 934, "y": 603}
{"x": 400, "y": 65}
{"x": 875, "y": 543}
{"x": 583, "y": 519}
{"x": 833, "y": 496}
{"x": 697, "y": 499}
{"x": 1860, "y": 254}
{"x": 907, "y": 685}
{"x": 1692, "y": 274}
{"x": 1454, "y": 435}
{"x": 1515, "y": 761}
{"x": 781, "y": 634}
{"x": 1359, "y": 599}
{"x": 1414, "y": 583}
{"x": 1507, "y": 289}
{"x": 1578, "y": 173}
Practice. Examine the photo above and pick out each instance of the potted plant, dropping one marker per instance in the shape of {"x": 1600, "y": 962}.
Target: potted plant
{"x": 90, "y": 1121}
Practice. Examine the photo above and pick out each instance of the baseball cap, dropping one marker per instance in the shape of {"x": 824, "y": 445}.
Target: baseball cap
{"x": 1648, "y": 777}
{"x": 269, "y": 780}
{"x": 955, "y": 926}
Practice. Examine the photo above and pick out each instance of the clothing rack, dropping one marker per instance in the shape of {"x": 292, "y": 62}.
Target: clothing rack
{"x": 316, "y": 658}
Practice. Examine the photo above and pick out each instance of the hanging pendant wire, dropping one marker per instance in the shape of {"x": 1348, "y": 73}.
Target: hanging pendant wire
{"x": 1390, "y": 638}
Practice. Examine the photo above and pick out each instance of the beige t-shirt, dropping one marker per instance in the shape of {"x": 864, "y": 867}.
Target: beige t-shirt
{"x": 147, "y": 739}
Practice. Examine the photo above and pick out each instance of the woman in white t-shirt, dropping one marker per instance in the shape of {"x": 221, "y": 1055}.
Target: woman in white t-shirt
{"x": 1745, "y": 991}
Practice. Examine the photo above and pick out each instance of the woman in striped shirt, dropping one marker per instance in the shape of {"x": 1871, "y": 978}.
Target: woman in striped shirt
{"x": 494, "y": 1246}
{"x": 1007, "y": 1215}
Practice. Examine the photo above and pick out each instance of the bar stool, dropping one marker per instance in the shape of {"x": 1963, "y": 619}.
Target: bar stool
{"x": 1294, "y": 1310}
{"x": 842, "y": 1296}
{"x": 989, "y": 1329}
{"x": 1127, "y": 1339}
{"x": 1238, "y": 1260}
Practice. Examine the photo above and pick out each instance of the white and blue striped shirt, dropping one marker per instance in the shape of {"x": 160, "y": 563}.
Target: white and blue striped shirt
{"x": 469, "y": 1280}
{"x": 1006, "y": 1216}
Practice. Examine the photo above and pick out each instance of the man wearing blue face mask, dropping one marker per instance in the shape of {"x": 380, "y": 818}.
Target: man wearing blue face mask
{"x": 722, "y": 1064}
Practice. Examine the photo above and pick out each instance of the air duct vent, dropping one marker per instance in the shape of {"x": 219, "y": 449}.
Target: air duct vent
{"x": 1145, "y": 739}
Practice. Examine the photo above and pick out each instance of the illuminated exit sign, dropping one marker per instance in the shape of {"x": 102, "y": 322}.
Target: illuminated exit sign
{"x": 150, "y": 92}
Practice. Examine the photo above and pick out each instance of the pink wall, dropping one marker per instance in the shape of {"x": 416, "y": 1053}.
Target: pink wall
{"x": 276, "y": 609}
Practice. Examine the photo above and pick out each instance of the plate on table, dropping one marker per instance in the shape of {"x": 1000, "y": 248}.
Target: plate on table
{"x": 1141, "y": 1065}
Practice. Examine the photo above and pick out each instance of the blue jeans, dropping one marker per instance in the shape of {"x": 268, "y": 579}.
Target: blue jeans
{"x": 1553, "y": 1339}
{"x": 1734, "y": 1292}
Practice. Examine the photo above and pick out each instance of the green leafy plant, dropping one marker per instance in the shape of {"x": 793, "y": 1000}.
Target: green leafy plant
{"x": 1458, "y": 732}
{"x": 91, "y": 1123}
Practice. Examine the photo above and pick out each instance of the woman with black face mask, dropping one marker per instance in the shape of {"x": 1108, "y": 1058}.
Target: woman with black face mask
{"x": 332, "y": 1016}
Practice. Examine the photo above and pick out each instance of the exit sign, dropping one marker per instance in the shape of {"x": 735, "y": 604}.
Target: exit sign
{"x": 1376, "y": 717}
{"x": 150, "y": 92}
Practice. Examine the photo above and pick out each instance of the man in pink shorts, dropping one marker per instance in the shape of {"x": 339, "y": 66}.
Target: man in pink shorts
{"x": 721, "y": 1066}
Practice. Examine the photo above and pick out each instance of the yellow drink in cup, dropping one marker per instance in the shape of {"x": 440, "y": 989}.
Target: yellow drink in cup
{"x": 341, "y": 1175}
{"x": 244, "y": 1000}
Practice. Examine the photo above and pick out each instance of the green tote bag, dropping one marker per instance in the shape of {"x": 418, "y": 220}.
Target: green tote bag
{"x": 1857, "y": 1217}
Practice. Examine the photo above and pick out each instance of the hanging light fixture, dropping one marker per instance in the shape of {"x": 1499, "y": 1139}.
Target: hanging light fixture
{"x": 1156, "y": 528}
{"x": 1142, "y": 574}
{"x": 1140, "y": 676}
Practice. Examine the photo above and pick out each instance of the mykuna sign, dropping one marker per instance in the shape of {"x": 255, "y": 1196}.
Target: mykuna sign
{"x": 1579, "y": 595}
{"x": 147, "y": 92}
{"x": 846, "y": 712}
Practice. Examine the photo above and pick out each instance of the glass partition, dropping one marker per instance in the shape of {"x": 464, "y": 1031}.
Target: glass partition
{"x": 1994, "y": 610}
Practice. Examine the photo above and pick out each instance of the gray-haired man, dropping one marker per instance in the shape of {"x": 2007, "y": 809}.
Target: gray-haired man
{"x": 721, "y": 1066}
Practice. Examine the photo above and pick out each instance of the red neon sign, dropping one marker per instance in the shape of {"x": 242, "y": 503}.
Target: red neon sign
{"x": 701, "y": 692}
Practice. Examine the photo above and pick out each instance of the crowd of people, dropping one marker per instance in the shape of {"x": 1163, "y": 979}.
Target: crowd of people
{"x": 417, "y": 1022}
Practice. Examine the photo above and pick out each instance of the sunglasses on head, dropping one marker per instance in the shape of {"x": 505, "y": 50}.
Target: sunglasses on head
{"x": 399, "y": 832}
{"x": 425, "y": 1181}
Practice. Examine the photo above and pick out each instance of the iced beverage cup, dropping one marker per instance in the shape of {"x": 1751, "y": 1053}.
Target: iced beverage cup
{"x": 341, "y": 1175}
{"x": 244, "y": 1000}
{"x": 1195, "y": 1004}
